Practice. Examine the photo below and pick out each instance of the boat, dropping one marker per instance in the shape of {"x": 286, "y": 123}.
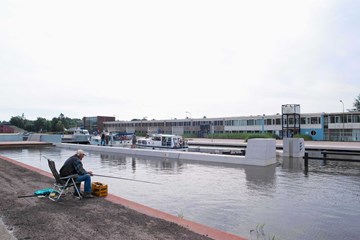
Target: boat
{"x": 121, "y": 139}
{"x": 76, "y": 135}
{"x": 95, "y": 140}
{"x": 163, "y": 142}
{"x": 114, "y": 139}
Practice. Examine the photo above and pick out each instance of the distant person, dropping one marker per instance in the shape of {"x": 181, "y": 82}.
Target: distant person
{"x": 73, "y": 165}
{"x": 103, "y": 136}
{"x": 133, "y": 140}
{"x": 107, "y": 138}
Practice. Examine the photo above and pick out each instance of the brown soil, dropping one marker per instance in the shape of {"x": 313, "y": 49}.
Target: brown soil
{"x": 97, "y": 218}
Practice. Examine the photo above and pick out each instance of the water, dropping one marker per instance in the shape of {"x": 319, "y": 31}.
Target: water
{"x": 324, "y": 204}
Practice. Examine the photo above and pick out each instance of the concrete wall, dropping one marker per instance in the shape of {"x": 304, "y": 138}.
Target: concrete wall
{"x": 293, "y": 147}
{"x": 10, "y": 137}
{"x": 260, "y": 152}
{"x": 51, "y": 138}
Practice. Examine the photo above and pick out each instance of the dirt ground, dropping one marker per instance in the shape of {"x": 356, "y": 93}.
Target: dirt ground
{"x": 97, "y": 218}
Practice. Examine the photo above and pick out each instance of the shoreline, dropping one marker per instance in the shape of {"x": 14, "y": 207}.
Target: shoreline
{"x": 103, "y": 218}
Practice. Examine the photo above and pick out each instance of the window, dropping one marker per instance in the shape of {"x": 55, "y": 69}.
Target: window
{"x": 315, "y": 120}
{"x": 250, "y": 122}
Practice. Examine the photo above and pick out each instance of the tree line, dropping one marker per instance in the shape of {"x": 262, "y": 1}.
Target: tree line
{"x": 56, "y": 124}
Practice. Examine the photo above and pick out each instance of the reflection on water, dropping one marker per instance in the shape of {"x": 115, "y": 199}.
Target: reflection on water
{"x": 293, "y": 164}
{"x": 260, "y": 175}
{"x": 233, "y": 198}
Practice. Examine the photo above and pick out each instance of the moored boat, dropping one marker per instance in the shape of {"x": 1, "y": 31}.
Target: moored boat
{"x": 114, "y": 139}
{"x": 121, "y": 139}
{"x": 76, "y": 135}
{"x": 163, "y": 141}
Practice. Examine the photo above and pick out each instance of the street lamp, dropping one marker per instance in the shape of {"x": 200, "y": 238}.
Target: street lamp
{"x": 343, "y": 121}
{"x": 190, "y": 129}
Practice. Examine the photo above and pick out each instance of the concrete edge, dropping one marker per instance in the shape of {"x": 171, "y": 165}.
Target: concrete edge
{"x": 204, "y": 157}
{"x": 193, "y": 226}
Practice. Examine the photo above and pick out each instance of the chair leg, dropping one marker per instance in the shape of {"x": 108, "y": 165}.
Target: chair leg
{"x": 76, "y": 189}
{"x": 59, "y": 193}
{"x": 62, "y": 188}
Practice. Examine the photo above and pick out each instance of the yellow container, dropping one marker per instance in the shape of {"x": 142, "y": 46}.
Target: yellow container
{"x": 99, "y": 189}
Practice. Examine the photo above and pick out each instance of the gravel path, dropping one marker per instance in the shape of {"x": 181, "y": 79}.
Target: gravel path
{"x": 97, "y": 218}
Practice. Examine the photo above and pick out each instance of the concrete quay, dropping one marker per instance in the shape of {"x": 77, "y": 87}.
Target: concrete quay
{"x": 309, "y": 145}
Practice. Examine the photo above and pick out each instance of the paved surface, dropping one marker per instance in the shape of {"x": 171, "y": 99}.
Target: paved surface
{"x": 309, "y": 144}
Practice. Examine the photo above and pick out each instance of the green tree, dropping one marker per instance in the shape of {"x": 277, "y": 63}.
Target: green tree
{"x": 57, "y": 126}
{"x": 41, "y": 125}
{"x": 18, "y": 121}
{"x": 356, "y": 104}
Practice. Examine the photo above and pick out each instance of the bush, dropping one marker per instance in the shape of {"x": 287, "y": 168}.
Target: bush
{"x": 304, "y": 136}
{"x": 244, "y": 136}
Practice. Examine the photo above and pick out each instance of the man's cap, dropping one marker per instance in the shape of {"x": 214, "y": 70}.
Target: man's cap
{"x": 80, "y": 152}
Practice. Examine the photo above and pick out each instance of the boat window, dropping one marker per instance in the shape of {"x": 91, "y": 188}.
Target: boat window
{"x": 156, "y": 138}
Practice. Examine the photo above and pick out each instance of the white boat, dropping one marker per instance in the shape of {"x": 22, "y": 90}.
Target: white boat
{"x": 114, "y": 139}
{"x": 95, "y": 140}
{"x": 121, "y": 139}
{"x": 76, "y": 135}
{"x": 163, "y": 141}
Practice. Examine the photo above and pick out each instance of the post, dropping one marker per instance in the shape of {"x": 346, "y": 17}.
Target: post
{"x": 324, "y": 161}
{"x": 343, "y": 121}
{"x": 306, "y": 162}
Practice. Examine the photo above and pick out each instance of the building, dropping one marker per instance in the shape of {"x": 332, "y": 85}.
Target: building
{"x": 96, "y": 124}
{"x": 6, "y": 128}
{"x": 321, "y": 126}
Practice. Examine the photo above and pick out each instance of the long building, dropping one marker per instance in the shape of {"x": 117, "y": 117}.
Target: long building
{"x": 321, "y": 126}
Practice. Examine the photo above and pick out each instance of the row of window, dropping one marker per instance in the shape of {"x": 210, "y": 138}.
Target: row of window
{"x": 350, "y": 118}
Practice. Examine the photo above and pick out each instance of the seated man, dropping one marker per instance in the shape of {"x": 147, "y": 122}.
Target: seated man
{"x": 73, "y": 165}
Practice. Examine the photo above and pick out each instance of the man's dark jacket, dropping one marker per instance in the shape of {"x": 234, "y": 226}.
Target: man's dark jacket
{"x": 72, "y": 165}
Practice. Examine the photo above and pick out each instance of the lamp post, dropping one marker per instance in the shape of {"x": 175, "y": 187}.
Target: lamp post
{"x": 343, "y": 121}
{"x": 190, "y": 129}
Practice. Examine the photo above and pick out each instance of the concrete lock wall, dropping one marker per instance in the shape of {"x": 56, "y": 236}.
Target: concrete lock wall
{"x": 260, "y": 152}
{"x": 293, "y": 147}
{"x": 10, "y": 137}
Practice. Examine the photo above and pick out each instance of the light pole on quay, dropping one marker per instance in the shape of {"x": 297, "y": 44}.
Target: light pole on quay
{"x": 190, "y": 129}
{"x": 343, "y": 121}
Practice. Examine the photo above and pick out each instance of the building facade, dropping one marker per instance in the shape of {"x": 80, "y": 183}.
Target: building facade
{"x": 6, "y": 128}
{"x": 321, "y": 126}
{"x": 96, "y": 124}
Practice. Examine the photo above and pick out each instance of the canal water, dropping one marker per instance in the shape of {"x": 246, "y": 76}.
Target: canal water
{"x": 323, "y": 204}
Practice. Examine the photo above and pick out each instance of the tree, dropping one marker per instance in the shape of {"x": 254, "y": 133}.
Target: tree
{"x": 18, "y": 121}
{"x": 356, "y": 104}
{"x": 41, "y": 125}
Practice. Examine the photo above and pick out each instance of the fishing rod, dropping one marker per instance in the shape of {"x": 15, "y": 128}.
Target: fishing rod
{"x": 129, "y": 179}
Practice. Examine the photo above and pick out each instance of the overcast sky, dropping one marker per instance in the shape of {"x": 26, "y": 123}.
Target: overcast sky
{"x": 175, "y": 59}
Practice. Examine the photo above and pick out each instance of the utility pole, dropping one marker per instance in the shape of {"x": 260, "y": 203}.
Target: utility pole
{"x": 343, "y": 121}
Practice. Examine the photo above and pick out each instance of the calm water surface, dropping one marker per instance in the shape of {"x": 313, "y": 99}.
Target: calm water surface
{"x": 325, "y": 204}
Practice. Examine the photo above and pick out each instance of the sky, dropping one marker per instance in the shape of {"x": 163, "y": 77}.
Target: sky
{"x": 165, "y": 59}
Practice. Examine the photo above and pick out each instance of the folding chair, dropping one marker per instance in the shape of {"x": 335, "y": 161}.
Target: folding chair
{"x": 62, "y": 183}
